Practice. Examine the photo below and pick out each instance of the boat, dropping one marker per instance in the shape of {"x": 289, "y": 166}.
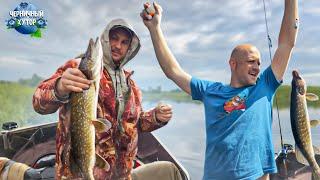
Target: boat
{"x": 289, "y": 167}
{"x": 35, "y": 146}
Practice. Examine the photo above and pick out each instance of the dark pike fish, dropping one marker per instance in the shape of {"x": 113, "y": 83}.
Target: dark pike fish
{"x": 300, "y": 122}
{"x": 83, "y": 116}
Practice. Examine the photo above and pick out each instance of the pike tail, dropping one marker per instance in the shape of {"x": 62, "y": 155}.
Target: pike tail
{"x": 315, "y": 171}
{"x": 316, "y": 174}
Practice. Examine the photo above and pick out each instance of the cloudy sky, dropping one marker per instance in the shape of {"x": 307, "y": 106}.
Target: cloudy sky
{"x": 200, "y": 33}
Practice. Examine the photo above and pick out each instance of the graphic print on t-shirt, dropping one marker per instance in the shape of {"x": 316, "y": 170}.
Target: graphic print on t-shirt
{"x": 237, "y": 102}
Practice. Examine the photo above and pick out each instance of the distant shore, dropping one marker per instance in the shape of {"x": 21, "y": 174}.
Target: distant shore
{"x": 16, "y": 99}
{"x": 282, "y": 96}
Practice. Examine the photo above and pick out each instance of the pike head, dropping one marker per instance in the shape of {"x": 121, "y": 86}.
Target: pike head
{"x": 91, "y": 63}
{"x": 298, "y": 84}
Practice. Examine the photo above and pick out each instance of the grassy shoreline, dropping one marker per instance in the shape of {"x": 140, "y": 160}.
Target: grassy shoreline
{"x": 16, "y": 102}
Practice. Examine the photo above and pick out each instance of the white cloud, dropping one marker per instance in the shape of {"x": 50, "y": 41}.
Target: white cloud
{"x": 237, "y": 38}
{"x": 308, "y": 49}
{"x": 212, "y": 25}
{"x": 206, "y": 39}
{"x": 147, "y": 72}
{"x": 312, "y": 75}
{"x": 219, "y": 75}
{"x": 12, "y": 62}
{"x": 79, "y": 17}
{"x": 179, "y": 43}
{"x": 243, "y": 8}
{"x": 171, "y": 25}
{"x": 312, "y": 11}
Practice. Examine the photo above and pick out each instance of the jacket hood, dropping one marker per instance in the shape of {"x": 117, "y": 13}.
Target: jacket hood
{"x": 133, "y": 48}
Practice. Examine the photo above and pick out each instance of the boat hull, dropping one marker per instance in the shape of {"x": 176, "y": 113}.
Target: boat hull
{"x": 35, "y": 146}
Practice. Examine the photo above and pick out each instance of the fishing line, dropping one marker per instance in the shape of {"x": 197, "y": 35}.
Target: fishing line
{"x": 270, "y": 56}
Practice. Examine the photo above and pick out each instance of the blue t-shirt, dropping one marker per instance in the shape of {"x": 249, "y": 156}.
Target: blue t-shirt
{"x": 238, "y": 127}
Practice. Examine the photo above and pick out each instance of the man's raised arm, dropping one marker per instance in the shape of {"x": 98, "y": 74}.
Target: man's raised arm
{"x": 167, "y": 61}
{"x": 287, "y": 38}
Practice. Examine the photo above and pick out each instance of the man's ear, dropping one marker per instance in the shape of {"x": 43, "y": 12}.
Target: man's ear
{"x": 232, "y": 63}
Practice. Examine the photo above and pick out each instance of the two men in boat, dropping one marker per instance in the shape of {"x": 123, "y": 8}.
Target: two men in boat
{"x": 238, "y": 139}
{"x": 239, "y": 144}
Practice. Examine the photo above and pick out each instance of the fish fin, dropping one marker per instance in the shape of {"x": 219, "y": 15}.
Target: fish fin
{"x": 312, "y": 97}
{"x": 102, "y": 163}
{"x": 101, "y": 125}
{"x": 314, "y": 123}
{"x": 301, "y": 170}
{"x": 316, "y": 153}
{"x": 79, "y": 56}
{"x": 300, "y": 157}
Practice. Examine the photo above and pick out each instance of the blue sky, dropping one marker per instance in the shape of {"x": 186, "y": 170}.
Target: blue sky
{"x": 201, "y": 34}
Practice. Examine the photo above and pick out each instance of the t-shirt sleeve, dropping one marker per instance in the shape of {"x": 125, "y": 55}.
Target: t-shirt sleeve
{"x": 270, "y": 79}
{"x": 198, "y": 88}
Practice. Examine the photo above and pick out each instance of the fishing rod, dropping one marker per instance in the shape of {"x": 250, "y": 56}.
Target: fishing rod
{"x": 270, "y": 56}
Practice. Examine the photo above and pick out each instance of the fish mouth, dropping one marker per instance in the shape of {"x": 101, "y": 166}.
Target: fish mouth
{"x": 91, "y": 65}
{"x": 298, "y": 83}
{"x": 295, "y": 74}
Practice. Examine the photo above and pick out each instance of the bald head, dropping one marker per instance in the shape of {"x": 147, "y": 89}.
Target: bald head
{"x": 243, "y": 50}
{"x": 245, "y": 65}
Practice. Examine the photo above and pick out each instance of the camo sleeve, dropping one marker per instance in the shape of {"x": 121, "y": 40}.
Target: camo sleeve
{"x": 45, "y": 99}
{"x": 148, "y": 121}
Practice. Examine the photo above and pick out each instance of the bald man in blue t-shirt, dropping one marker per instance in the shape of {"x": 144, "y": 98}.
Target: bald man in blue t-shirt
{"x": 238, "y": 115}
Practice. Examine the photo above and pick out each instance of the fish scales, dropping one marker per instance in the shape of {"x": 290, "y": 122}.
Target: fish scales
{"x": 82, "y": 131}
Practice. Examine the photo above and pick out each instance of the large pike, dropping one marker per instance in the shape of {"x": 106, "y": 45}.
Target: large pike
{"x": 83, "y": 116}
{"x": 300, "y": 122}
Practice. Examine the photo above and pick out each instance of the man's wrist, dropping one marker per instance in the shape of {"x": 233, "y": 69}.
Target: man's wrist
{"x": 58, "y": 95}
{"x": 157, "y": 120}
{"x": 154, "y": 29}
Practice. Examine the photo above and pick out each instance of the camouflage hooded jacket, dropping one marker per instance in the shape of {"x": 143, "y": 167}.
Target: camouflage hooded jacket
{"x": 118, "y": 146}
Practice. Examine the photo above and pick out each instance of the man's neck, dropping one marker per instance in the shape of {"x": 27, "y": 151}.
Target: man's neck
{"x": 235, "y": 83}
